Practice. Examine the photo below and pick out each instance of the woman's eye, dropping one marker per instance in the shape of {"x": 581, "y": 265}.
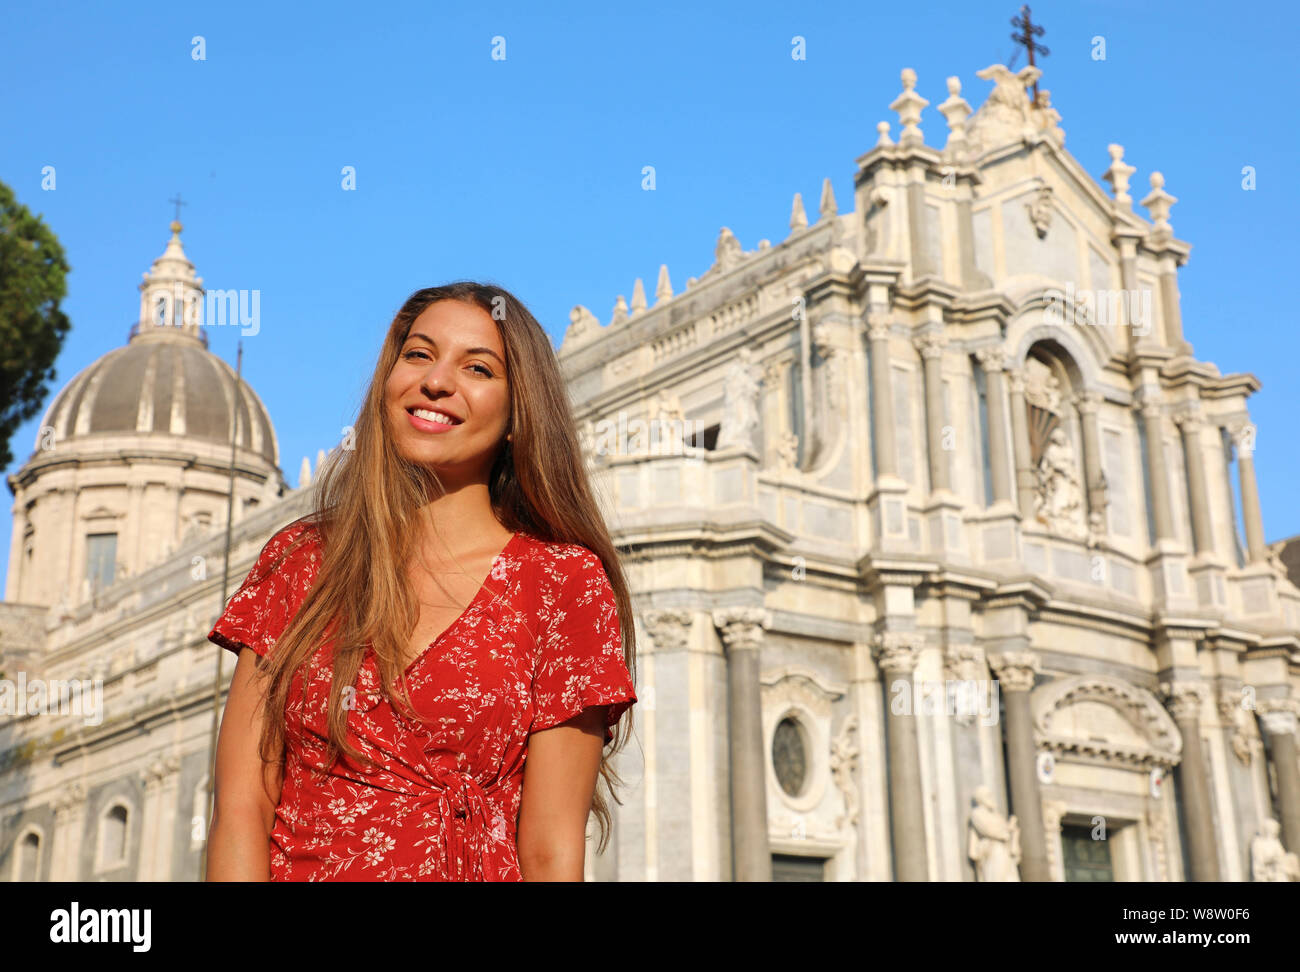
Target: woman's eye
{"x": 484, "y": 369}
{"x": 411, "y": 354}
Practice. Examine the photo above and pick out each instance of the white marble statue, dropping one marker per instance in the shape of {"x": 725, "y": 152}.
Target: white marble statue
{"x": 1060, "y": 494}
{"x": 994, "y": 840}
{"x": 740, "y": 402}
{"x": 1269, "y": 860}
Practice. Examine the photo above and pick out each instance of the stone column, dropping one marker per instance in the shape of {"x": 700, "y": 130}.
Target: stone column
{"x": 151, "y": 780}
{"x": 931, "y": 348}
{"x": 1088, "y": 403}
{"x": 1184, "y": 701}
{"x": 1026, "y": 478}
{"x": 1015, "y": 673}
{"x": 666, "y": 733}
{"x": 130, "y": 548}
{"x": 1243, "y": 436}
{"x": 742, "y": 634}
{"x": 1189, "y": 424}
{"x": 1157, "y": 470}
{"x": 13, "y": 591}
{"x": 972, "y": 277}
{"x": 882, "y": 397}
{"x": 69, "y": 821}
{"x": 1053, "y": 812}
{"x": 162, "y": 776}
{"x": 1173, "y": 315}
{"x": 994, "y": 362}
{"x": 896, "y": 654}
{"x": 1279, "y": 718}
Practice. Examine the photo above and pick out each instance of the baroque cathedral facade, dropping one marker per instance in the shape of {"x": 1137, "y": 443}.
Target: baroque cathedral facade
{"x": 946, "y": 550}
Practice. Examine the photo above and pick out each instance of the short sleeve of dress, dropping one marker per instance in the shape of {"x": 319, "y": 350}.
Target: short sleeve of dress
{"x": 269, "y": 597}
{"x": 581, "y": 651}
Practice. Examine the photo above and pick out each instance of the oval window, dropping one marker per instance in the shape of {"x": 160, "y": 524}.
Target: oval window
{"x": 790, "y": 756}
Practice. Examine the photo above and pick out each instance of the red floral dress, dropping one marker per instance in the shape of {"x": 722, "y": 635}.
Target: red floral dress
{"x": 539, "y": 643}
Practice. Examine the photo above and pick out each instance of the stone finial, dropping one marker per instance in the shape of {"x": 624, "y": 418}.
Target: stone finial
{"x": 304, "y": 474}
{"x": 955, "y": 111}
{"x": 664, "y": 288}
{"x": 884, "y": 139}
{"x": 1158, "y": 203}
{"x": 828, "y": 209}
{"x": 638, "y": 297}
{"x": 798, "y": 218}
{"x": 909, "y": 105}
{"x": 620, "y": 310}
{"x": 1118, "y": 175}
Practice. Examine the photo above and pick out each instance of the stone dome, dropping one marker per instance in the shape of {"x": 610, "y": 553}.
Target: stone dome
{"x": 165, "y": 381}
{"x": 161, "y": 383}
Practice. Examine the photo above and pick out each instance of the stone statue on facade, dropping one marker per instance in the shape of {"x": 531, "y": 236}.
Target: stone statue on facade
{"x": 787, "y": 451}
{"x": 1269, "y": 860}
{"x": 587, "y": 439}
{"x": 994, "y": 840}
{"x": 740, "y": 402}
{"x": 1060, "y": 494}
{"x": 668, "y": 424}
{"x": 728, "y": 252}
{"x": 1046, "y": 117}
{"x": 1005, "y": 115}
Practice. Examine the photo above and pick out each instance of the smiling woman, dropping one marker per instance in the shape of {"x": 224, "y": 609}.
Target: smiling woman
{"x": 432, "y": 662}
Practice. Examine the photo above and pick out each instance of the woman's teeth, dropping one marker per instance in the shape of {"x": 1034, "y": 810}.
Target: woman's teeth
{"x": 429, "y": 416}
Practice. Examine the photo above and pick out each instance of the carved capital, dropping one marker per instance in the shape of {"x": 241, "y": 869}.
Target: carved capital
{"x": 742, "y": 627}
{"x": 1279, "y": 716}
{"x": 1016, "y": 381}
{"x": 1014, "y": 669}
{"x": 158, "y": 770}
{"x": 1087, "y": 402}
{"x": 1188, "y": 417}
{"x": 992, "y": 359}
{"x": 963, "y": 662}
{"x": 1243, "y": 437}
{"x": 1148, "y": 402}
{"x": 822, "y": 345}
{"x": 897, "y": 652}
{"x": 930, "y": 345}
{"x": 669, "y": 629}
{"x": 877, "y": 326}
{"x": 1184, "y": 699}
{"x": 71, "y": 801}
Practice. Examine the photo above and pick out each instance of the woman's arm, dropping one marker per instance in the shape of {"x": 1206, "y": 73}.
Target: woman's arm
{"x": 560, "y": 775}
{"x": 247, "y": 790}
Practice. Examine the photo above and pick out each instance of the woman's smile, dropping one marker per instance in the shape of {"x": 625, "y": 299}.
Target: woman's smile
{"x": 431, "y": 420}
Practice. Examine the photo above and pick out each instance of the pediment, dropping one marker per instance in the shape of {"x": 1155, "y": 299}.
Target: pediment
{"x": 1104, "y": 719}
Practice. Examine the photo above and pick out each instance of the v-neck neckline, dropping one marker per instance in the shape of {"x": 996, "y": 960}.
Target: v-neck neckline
{"x": 478, "y": 596}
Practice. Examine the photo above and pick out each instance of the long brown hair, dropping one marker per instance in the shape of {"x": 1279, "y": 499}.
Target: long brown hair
{"x": 368, "y": 496}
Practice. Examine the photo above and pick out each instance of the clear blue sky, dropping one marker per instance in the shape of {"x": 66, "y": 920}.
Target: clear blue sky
{"x": 527, "y": 171}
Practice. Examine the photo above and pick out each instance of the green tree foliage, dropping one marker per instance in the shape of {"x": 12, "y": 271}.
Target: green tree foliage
{"x": 33, "y": 275}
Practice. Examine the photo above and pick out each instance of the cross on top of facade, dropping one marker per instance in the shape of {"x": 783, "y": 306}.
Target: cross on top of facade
{"x": 1027, "y": 31}
{"x": 178, "y": 202}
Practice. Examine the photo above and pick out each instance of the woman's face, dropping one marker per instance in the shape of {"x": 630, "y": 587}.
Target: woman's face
{"x": 453, "y": 363}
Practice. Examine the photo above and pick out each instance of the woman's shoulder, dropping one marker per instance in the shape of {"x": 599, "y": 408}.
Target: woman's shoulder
{"x": 556, "y": 550}
{"x": 557, "y": 560}
{"x": 290, "y": 548}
